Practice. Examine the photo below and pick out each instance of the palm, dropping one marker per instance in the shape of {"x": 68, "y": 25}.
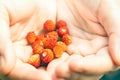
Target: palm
{"x": 23, "y": 20}
{"x": 90, "y": 40}
{"x": 84, "y": 28}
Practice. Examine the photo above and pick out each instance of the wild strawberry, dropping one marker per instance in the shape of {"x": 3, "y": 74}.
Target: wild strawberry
{"x": 40, "y": 37}
{"x": 34, "y": 60}
{"x": 38, "y": 50}
{"x": 52, "y": 34}
{"x": 37, "y": 43}
{"x": 47, "y": 56}
{"x": 37, "y": 47}
{"x": 61, "y": 44}
{"x": 59, "y": 48}
{"x": 63, "y": 30}
{"x": 61, "y": 23}
{"x": 66, "y": 39}
{"x": 49, "y": 42}
{"x": 31, "y": 36}
{"x": 49, "y": 25}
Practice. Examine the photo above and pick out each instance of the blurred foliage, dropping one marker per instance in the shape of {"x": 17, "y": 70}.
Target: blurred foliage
{"x": 114, "y": 75}
{"x": 2, "y": 77}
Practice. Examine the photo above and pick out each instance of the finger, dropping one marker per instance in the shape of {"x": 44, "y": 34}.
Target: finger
{"x": 110, "y": 22}
{"x": 82, "y": 76}
{"x": 7, "y": 54}
{"x": 63, "y": 70}
{"x": 114, "y": 47}
{"x": 24, "y": 71}
{"x": 7, "y": 60}
{"x": 86, "y": 47}
{"x": 93, "y": 64}
{"x": 51, "y": 68}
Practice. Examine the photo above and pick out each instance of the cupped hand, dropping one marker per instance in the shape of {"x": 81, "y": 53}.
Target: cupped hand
{"x": 89, "y": 23}
{"x": 95, "y": 33}
{"x": 17, "y": 18}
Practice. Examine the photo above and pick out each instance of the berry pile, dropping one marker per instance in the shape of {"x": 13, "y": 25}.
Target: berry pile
{"x": 49, "y": 45}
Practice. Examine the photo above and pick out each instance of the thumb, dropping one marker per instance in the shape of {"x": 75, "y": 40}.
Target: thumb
{"x": 111, "y": 24}
{"x": 7, "y": 56}
{"x": 7, "y": 59}
{"x": 114, "y": 47}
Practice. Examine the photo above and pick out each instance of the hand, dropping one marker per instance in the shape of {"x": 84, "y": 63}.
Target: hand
{"x": 95, "y": 33}
{"x": 17, "y": 18}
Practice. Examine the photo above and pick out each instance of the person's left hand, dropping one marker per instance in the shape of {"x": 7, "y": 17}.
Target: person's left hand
{"x": 17, "y": 18}
{"x": 23, "y": 70}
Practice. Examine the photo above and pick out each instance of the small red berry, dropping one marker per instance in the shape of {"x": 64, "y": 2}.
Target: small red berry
{"x": 37, "y": 43}
{"x": 47, "y": 56}
{"x": 49, "y": 42}
{"x": 37, "y": 47}
{"x": 61, "y": 23}
{"x": 38, "y": 50}
{"x": 31, "y": 36}
{"x": 67, "y": 39}
{"x": 49, "y": 25}
{"x": 34, "y": 60}
{"x": 52, "y": 34}
{"x": 40, "y": 37}
{"x": 59, "y": 48}
{"x": 63, "y": 30}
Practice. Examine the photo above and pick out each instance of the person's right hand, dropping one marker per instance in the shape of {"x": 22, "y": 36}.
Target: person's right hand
{"x": 17, "y": 18}
{"x": 94, "y": 28}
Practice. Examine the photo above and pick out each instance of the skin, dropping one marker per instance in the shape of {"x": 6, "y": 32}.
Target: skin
{"x": 93, "y": 25}
{"x": 17, "y": 22}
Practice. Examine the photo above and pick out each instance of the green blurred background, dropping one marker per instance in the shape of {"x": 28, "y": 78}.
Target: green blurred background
{"x": 114, "y": 75}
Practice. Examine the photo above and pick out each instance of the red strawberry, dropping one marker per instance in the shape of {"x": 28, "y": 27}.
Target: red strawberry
{"x": 63, "y": 30}
{"x": 49, "y": 42}
{"x": 38, "y": 50}
{"x": 31, "y": 36}
{"x": 34, "y": 60}
{"x": 47, "y": 56}
{"x": 59, "y": 48}
{"x": 49, "y": 25}
{"x": 67, "y": 39}
{"x": 61, "y": 23}
{"x": 37, "y": 43}
{"x": 39, "y": 37}
{"x": 52, "y": 34}
{"x": 37, "y": 47}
